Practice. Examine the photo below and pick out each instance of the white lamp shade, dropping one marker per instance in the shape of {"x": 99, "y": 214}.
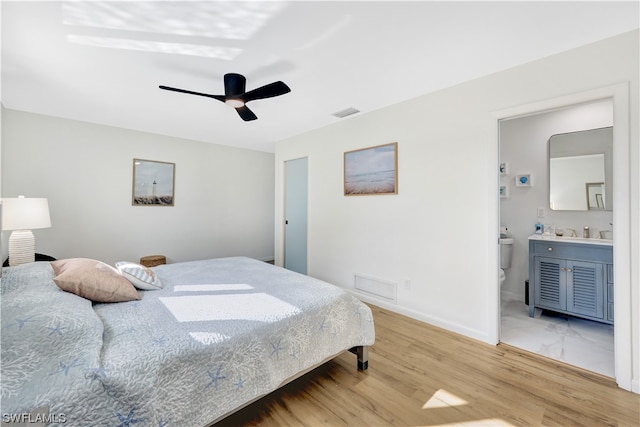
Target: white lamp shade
{"x": 25, "y": 213}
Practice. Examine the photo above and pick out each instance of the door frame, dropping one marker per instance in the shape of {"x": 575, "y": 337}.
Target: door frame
{"x": 621, "y": 215}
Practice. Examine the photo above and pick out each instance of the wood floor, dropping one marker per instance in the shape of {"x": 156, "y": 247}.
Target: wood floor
{"x": 420, "y": 375}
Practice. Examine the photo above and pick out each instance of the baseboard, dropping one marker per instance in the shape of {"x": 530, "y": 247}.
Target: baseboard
{"x": 432, "y": 320}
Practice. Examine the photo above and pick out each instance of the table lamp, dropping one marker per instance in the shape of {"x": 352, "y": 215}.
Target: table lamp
{"x": 22, "y": 215}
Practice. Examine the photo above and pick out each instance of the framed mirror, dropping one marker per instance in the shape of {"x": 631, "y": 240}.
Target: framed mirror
{"x": 578, "y": 161}
{"x": 153, "y": 183}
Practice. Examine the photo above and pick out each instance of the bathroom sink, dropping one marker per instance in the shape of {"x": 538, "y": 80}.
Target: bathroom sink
{"x": 588, "y": 241}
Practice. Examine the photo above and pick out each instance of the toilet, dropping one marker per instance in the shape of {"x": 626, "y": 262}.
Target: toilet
{"x": 506, "y": 250}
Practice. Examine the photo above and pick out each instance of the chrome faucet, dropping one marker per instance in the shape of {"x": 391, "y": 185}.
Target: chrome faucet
{"x": 573, "y": 232}
{"x": 603, "y": 233}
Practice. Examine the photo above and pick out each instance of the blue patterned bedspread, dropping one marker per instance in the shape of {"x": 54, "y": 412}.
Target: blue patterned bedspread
{"x": 221, "y": 333}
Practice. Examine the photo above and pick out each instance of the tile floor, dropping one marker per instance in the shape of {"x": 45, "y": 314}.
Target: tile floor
{"x": 578, "y": 342}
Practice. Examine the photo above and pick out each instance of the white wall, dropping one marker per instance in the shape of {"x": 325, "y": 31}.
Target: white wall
{"x": 438, "y": 237}
{"x": 224, "y": 197}
{"x": 523, "y": 145}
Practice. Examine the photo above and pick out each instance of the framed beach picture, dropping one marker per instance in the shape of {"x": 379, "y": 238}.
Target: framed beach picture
{"x": 153, "y": 183}
{"x": 372, "y": 170}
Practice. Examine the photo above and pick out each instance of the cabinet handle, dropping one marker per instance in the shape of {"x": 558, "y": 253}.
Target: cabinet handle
{"x": 550, "y": 249}
{"x": 563, "y": 269}
{"x": 569, "y": 270}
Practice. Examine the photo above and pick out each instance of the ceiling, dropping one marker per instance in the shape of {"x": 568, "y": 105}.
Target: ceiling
{"x": 102, "y": 62}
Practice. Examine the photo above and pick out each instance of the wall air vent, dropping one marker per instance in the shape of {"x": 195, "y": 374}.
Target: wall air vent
{"x": 375, "y": 286}
{"x": 346, "y": 112}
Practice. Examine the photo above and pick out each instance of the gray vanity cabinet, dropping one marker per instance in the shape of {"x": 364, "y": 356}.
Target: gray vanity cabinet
{"x": 571, "y": 278}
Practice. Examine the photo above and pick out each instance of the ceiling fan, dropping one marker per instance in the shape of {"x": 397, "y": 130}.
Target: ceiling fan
{"x": 235, "y": 95}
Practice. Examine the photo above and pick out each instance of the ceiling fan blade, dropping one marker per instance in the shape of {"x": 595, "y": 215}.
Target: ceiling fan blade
{"x": 246, "y": 114}
{"x": 190, "y": 92}
{"x": 266, "y": 91}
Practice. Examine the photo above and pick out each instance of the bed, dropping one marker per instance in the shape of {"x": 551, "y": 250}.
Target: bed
{"x": 217, "y": 335}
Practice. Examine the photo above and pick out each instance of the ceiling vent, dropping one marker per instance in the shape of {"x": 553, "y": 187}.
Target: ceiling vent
{"x": 346, "y": 112}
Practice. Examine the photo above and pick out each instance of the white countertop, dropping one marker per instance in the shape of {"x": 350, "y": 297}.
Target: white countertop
{"x": 580, "y": 240}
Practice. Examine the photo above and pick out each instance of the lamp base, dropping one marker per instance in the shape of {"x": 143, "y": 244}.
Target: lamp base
{"x": 22, "y": 247}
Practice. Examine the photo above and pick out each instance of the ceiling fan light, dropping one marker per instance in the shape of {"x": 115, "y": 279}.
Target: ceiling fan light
{"x": 235, "y": 103}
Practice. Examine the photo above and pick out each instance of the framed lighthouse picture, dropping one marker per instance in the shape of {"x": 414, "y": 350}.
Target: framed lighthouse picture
{"x": 153, "y": 183}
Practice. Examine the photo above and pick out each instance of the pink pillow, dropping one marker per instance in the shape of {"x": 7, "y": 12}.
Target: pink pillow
{"x": 93, "y": 280}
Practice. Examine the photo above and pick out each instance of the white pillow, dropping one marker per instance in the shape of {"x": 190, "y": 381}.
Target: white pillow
{"x": 140, "y": 276}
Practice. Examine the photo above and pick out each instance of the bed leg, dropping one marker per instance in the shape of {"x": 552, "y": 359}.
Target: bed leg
{"x": 362, "y": 352}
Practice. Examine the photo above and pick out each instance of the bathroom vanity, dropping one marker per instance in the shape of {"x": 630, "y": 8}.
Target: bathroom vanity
{"x": 572, "y": 276}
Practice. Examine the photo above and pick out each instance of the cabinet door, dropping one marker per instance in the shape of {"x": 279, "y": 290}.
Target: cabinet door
{"x": 585, "y": 288}
{"x": 550, "y": 283}
{"x": 610, "y": 291}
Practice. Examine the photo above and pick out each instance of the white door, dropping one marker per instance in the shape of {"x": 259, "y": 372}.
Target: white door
{"x": 295, "y": 211}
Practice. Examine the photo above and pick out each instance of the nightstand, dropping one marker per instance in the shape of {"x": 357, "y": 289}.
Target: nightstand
{"x": 39, "y": 257}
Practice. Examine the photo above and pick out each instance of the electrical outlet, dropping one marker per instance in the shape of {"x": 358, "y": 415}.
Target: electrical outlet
{"x": 407, "y": 284}
{"x": 542, "y": 212}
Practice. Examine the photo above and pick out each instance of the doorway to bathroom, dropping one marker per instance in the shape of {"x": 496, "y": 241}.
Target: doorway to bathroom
{"x": 523, "y": 151}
